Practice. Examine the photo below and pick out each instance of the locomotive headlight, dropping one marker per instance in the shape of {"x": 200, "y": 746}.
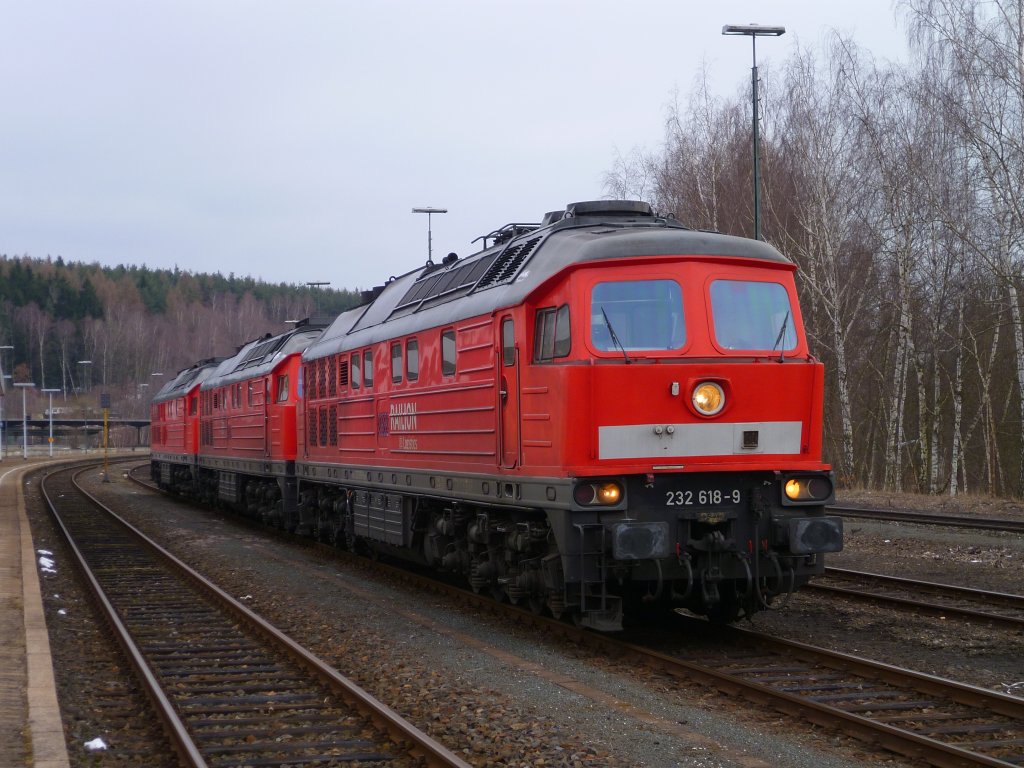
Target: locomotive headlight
{"x": 794, "y": 489}
{"x": 708, "y": 398}
{"x": 603, "y": 494}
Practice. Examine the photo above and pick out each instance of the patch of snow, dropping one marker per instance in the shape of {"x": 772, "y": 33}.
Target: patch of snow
{"x": 95, "y": 745}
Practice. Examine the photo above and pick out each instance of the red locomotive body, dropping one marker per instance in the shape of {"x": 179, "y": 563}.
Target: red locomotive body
{"x": 174, "y": 427}
{"x": 596, "y": 413}
{"x": 603, "y": 408}
{"x": 247, "y": 421}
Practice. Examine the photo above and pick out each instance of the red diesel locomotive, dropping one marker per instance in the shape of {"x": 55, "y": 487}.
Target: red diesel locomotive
{"x": 174, "y": 427}
{"x": 600, "y": 412}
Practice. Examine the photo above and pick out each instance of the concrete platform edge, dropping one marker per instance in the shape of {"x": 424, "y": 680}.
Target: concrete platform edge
{"x": 49, "y": 747}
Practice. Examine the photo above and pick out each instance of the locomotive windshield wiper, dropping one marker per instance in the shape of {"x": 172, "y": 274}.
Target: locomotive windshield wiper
{"x": 778, "y": 339}
{"x": 615, "y": 338}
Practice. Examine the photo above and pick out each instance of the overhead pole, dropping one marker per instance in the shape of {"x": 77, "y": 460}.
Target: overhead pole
{"x": 754, "y": 31}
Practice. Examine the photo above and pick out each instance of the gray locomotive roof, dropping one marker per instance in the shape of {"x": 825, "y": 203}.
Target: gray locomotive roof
{"x": 186, "y": 379}
{"x": 505, "y": 274}
{"x": 260, "y": 356}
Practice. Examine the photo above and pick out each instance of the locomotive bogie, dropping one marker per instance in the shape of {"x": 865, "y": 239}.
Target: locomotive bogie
{"x": 174, "y": 473}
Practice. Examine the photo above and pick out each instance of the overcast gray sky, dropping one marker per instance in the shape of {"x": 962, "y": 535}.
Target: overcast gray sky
{"x": 290, "y": 140}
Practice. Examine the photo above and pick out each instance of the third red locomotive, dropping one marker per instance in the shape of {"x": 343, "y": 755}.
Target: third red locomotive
{"x": 597, "y": 413}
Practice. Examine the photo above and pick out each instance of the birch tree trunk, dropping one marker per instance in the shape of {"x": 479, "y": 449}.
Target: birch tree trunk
{"x": 956, "y": 449}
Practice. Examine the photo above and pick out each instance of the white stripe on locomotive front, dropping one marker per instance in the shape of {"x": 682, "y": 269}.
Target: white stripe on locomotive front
{"x": 658, "y": 441}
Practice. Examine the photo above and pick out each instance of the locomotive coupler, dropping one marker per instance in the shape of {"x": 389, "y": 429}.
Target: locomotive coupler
{"x": 713, "y": 542}
{"x": 710, "y": 577}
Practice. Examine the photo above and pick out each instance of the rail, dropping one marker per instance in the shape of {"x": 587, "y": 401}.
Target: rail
{"x": 214, "y": 670}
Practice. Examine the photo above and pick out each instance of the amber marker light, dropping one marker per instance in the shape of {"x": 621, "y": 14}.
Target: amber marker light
{"x": 808, "y": 489}
{"x": 604, "y": 494}
{"x": 708, "y": 398}
{"x": 609, "y": 493}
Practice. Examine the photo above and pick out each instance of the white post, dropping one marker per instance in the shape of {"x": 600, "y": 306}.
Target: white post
{"x": 24, "y": 415}
{"x": 50, "y": 393}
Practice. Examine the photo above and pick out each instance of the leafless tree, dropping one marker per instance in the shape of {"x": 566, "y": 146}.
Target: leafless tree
{"x": 978, "y": 47}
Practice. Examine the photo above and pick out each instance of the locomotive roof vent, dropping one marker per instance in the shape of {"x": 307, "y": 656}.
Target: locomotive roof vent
{"x": 506, "y": 266}
{"x": 609, "y": 208}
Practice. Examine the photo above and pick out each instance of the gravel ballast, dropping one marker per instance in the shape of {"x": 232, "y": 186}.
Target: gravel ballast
{"x": 494, "y": 692}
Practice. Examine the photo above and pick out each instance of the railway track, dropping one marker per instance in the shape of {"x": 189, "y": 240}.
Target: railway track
{"x": 938, "y": 721}
{"x": 927, "y": 718}
{"x": 230, "y": 689}
{"x": 924, "y": 596}
{"x": 951, "y": 521}
{"x": 924, "y": 717}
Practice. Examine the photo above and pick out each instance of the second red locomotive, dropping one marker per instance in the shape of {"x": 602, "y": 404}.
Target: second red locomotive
{"x": 601, "y": 411}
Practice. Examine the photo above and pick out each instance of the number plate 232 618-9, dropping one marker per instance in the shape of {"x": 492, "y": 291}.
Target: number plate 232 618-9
{"x": 711, "y": 497}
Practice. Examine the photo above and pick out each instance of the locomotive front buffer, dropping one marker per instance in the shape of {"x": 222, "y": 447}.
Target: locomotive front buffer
{"x": 721, "y": 546}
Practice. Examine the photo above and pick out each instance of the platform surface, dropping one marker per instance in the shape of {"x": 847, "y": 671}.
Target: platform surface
{"x": 31, "y": 732}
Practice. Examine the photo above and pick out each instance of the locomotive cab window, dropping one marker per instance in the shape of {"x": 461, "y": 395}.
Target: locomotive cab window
{"x": 752, "y": 316}
{"x": 637, "y": 315}
{"x": 282, "y": 389}
{"x": 552, "y": 336}
{"x": 448, "y": 353}
{"x": 357, "y": 368}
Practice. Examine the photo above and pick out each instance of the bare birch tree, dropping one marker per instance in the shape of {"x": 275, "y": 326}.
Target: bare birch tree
{"x": 818, "y": 147}
{"x": 979, "y": 46}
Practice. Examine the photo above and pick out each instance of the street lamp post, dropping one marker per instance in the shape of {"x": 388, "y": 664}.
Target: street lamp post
{"x": 24, "y": 415}
{"x": 754, "y": 31}
{"x": 430, "y": 212}
{"x": 85, "y": 413}
{"x": 85, "y": 363}
{"x": 3, "y": 398}
{"x": 50, "y": 411}
{"x": 315, "y": 286}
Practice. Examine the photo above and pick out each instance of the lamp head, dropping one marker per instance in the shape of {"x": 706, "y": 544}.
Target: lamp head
{"x": 753, "y": 30}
